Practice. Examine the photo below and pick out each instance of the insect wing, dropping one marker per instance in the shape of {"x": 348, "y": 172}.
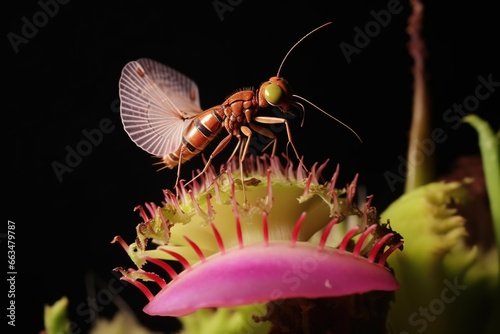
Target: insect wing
{"x": 156, "y": 104}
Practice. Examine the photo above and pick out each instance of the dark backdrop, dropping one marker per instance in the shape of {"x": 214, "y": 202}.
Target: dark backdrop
{"x": 63, "y": 64}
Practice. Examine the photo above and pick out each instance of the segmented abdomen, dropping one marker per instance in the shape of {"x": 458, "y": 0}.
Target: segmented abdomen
{"x": 198, "y": 134}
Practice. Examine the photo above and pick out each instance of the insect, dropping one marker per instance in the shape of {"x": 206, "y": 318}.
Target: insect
{"x": 160, "y": 111}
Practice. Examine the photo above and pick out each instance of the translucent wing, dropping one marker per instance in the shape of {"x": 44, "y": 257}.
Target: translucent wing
{"x": 156, "y": 104}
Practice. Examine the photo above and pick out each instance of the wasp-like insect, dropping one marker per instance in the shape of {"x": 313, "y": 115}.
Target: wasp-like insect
{"x": 160, "y": 111}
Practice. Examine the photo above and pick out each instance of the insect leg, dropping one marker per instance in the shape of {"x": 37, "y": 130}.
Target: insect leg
{"x": 267, "y": 133}
{"x": 243, "y": 142}
{"x": 235, "y": 150}
{"x": 178, "y": 153}
{"x": 216, "y": 151}
{"x": 248, "y": 134}
{"x": 179, "y": 168}
{"x": 276, "y": 120}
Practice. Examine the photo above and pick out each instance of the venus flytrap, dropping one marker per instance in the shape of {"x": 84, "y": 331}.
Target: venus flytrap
{"x": 437, "y": 256}
{"x": 434, "y": 231}
{"x": 443, "y": 278}
{"x": 276, "y": 245}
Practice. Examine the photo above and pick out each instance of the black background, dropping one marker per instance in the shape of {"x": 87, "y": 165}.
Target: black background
{"x": 64, "y": 80}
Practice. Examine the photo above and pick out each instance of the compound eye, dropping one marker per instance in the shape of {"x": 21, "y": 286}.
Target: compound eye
{"x": 273, "y": 93}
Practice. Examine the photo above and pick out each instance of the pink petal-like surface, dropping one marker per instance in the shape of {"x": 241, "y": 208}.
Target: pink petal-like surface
{"x": 262, "y": 273}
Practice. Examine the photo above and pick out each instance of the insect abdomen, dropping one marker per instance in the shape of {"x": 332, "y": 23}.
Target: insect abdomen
{"x": 199, "y": 133}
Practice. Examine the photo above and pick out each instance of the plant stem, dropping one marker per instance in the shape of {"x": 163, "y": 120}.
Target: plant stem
{"x": 420, "y": 166}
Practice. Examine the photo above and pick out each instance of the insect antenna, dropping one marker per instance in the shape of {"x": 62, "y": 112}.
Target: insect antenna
{"x": 327, "y": 114}
{"x": 298, "y": 42}
{"x": 298, "y": 104}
